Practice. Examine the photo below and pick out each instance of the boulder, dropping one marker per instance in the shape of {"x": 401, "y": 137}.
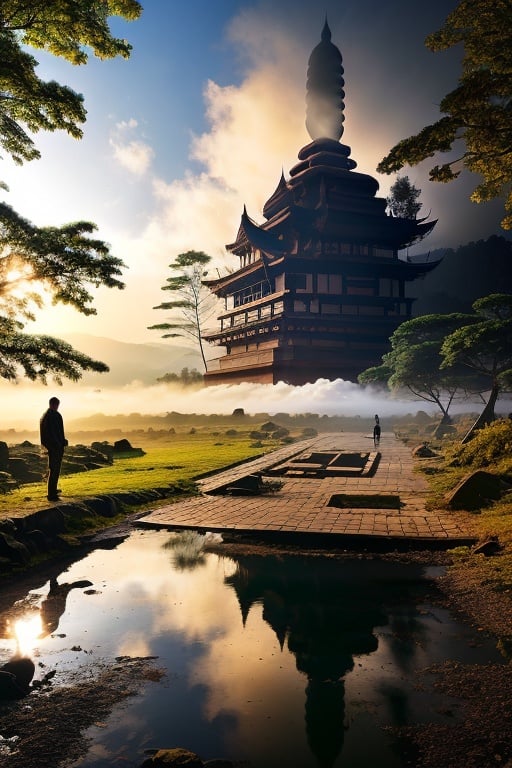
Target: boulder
{"x": 422, "y": 451}
{"x": 22, "y": 470}
{"x": 269, "y": 426}
{"x": 13, "y": 550}
{"x": 50, "y": 520}
{"x": 476, "y": 490}
{"x": 173, "y": 758}
{"x": 105, "y": 449}
{"x": 15, "y": 678}
{"x": 120, "y": 446}
{"x": 105, "y": 506}
{"x": 488, "y": 547}
{"x": 4, "y": 456}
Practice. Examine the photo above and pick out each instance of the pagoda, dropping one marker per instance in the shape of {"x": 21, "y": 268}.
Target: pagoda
{"x": 320, "y": 286}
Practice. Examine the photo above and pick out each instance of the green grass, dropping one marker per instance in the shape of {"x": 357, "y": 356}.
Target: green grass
{"x": 178, "y": 459}
{"x": 490, "y": 450}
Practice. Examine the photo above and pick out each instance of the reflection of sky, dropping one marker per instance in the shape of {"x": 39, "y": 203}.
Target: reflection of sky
{"x": 230, "y": 690}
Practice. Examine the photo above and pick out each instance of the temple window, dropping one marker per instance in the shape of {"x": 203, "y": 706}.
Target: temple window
{"x": 389, "y": 287}
{"x": 298, "y": 282}
{"x": 299, "y": 306}
{"x": 360, "y": 287}
{"x": 329, "y": 284}
{"x": 251, "y": 293}
{"x": 371, "y": 310}
{"x": 330, "y": 309}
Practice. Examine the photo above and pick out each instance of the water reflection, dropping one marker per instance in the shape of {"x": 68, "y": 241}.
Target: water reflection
{"x": 26, "y": 631}
{"x": 26, "y": 623}
{"x": 187, "y": 550}
{"x": 326, "y": 612}
{"x": 284, "y": 662}
{"x": 54, "y": 604}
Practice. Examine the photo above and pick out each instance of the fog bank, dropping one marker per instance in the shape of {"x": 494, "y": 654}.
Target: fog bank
{"x": 23, "y": 403}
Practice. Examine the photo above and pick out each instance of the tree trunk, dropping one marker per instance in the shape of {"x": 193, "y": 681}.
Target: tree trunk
{"x": 486, "y": 417}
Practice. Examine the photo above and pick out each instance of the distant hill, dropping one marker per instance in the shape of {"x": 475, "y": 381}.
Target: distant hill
{"x": 464, "y": 275}
{"x": 132, "y": 362}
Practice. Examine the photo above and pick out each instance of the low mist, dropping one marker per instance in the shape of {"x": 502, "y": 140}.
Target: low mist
{"x": 24, "y": 403}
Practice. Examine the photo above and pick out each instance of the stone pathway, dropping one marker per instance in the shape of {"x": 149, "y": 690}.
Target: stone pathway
{"x": 302, "y": 505}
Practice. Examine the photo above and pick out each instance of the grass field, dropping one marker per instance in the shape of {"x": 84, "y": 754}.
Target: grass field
{"x": 170, "y": 460}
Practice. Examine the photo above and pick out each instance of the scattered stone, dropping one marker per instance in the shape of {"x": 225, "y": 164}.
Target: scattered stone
{"x": 177, "y": 758}
{"x": 279, "y": 433}
{"x": 269, "y": 426}
{"x": 122, "y": 445}
{"x": 488, "y": 547}
{"x": 4, "y": 456}
{"x": 422, "y": 451}
{"x": 12, "y": 549}
{"x": 15, "y": 678}
{"x": 476, "y": 490}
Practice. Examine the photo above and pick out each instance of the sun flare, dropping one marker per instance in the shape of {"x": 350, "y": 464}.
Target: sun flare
{"x": 27, "y": 630}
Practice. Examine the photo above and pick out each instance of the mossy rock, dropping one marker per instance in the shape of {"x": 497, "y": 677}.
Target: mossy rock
{"x": 476, "y": 490}
{"x": 173, "y": 758}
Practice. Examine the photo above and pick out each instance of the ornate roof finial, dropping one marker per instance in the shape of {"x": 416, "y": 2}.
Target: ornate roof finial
{"x": 326, "y": 32}
{"x": 325, "y": 94}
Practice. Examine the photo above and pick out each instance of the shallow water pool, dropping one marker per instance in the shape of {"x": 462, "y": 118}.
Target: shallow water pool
{"x": 284, "y": 661}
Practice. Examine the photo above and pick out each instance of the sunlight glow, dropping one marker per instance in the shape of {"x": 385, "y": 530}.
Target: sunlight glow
{"x": 27, "y": 630}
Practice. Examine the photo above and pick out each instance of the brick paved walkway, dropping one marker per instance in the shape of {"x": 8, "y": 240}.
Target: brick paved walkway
{"x": 302, "y": 507}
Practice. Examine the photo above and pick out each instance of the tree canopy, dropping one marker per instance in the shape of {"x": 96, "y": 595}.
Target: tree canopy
{"x": 477, "y": 114}
{"x": 403, "y": 199}
{"x": 437, "y": 356}
{"x": 194, "y": 303}
{"x": 64, "y": 262}
{"x": 485, "y": 348}
{"x": 415, "y": 359}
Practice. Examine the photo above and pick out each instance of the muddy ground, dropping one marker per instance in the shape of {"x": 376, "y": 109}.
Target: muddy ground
{"x": 51, "y": 723}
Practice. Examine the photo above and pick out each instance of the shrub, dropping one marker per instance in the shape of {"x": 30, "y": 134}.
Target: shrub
{"x": 489, "y": 446}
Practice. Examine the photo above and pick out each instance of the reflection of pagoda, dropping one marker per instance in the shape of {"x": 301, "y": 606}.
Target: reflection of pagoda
{"x": 320, "y": 287}
{"x": 326, "y": 614}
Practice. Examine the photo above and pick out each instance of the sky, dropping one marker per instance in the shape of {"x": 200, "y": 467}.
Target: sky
{"x": 202, "y": 119}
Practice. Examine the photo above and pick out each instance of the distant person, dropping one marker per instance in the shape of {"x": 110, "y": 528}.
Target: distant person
{"x": 376, "y": 431}
{"x": 52, "y": 437}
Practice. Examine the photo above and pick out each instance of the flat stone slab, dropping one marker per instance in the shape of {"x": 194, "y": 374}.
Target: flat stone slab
{"x": 301, "y": 506}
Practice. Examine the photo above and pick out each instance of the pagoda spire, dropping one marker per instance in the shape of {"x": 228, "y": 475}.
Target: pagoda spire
{"x": 324, "y": 90}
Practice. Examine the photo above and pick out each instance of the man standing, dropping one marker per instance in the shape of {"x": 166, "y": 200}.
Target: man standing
{"x": 52, "y": 437}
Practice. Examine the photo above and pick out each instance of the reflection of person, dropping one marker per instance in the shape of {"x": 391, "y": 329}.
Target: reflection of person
{"x": 53, "y": 439}
{"x": 376, "y": 430}
{"x": 54, "y": 604}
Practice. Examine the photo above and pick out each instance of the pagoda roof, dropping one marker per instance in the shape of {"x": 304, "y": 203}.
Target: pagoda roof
{"x": 266, "y": 240}
{"x": 277, "y": 199}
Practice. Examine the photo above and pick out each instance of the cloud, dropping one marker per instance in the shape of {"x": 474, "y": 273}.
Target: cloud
{"x": 132, "y": 154}
{"x": 255, "y": 128}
